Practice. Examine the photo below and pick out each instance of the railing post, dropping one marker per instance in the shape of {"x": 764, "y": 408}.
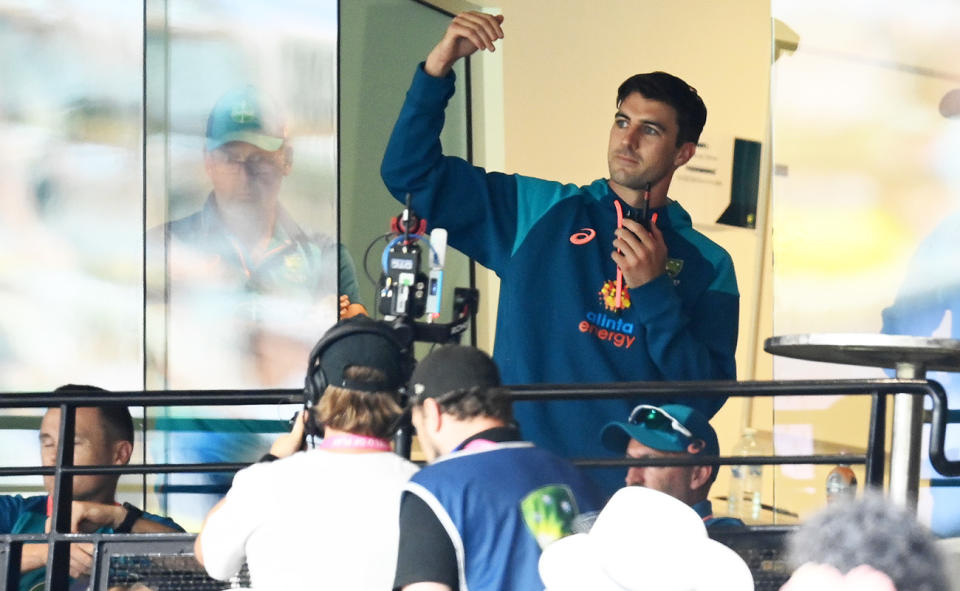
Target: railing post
{"x": 11, "y": 564}
{"x": 876, "y": 458}
{"x": 905, "y": 447}
{"x": 57, "y": 577}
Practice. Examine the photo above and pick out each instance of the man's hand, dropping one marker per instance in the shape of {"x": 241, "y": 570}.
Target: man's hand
{"x": 289, "y": 444}
{"x": 348, "y": 310}
{"x": 468, "y": 32}
{"x": 87, "y": 517}
{"x": 642, "y": 255}
{"x": 81, "y": 558}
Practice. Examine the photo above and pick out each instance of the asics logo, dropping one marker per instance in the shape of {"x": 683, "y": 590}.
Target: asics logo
{"x": 582, "y": 236}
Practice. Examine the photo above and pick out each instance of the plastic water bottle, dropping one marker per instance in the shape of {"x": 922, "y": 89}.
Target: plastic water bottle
{"x": 746, "y": 481}
{"x": 841, "y": 484}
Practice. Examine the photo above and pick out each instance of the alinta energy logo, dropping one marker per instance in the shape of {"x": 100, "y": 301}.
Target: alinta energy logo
{"x": 612, "y": 328}
{"x": 609, "y": 328}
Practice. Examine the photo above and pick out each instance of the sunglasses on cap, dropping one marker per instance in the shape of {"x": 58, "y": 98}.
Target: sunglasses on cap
{"x": 654, "y": 417}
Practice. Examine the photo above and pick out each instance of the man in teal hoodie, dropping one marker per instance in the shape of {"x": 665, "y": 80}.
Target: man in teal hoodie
{"x": 604, "y": 282}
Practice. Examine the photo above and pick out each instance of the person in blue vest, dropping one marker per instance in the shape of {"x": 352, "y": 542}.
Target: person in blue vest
{"x": 104, "y": 436}
{"x": 590, "y": 290}
{"x": 479, "y": 514}
{"x": 671, "y": 430}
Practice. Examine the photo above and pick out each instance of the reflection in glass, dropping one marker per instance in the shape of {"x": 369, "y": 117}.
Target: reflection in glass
{"x": 863, "y": 198}
{"x": 241, "y": 275}
{"x": 241, "y": 250}
{"x": 70, "y": 207}
{"x": 70, "y": 181}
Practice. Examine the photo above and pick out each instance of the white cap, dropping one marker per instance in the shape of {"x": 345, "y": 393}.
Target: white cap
{"x": 644, "y": 540}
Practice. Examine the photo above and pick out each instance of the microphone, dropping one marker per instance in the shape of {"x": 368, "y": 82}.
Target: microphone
{"x": 438, "y": 244}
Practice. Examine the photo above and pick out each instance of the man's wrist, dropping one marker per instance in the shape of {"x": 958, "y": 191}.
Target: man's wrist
{"x": 641, "y": 282}
{"x": 436, "y": 66}
{"x": 131, "y": 515}
{"x": 119, "y": 514}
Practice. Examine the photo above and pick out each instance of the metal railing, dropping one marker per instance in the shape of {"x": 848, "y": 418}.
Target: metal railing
{"x": 878, "y": 389}
{"x": 59, "y": 538}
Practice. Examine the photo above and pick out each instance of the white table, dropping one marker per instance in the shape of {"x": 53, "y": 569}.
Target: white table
{"x": 911, "y": 357}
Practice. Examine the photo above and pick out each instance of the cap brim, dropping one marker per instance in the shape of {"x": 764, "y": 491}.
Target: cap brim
{"x": 616, "y": 436}
{"x": 264, "y": 142}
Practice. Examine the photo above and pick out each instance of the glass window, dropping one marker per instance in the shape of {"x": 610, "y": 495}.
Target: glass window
{"x": 865, "y": 209}
{"x": 170, "y": 209}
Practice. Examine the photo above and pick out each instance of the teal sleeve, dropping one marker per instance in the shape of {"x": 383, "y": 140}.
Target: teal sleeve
{"x": 478, "y": 209}
{"x": 10, "y": 509}
{"x": 699, "y": 346}
{"x": 486, "y": 214}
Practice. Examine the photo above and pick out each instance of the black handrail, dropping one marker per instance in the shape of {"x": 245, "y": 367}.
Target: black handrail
{"x": 666, "y": 390}
{"x": 154, "y": 398}
{"x": 63, "y": 471}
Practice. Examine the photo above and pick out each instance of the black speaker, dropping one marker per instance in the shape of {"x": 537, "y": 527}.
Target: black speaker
{"x": 744, "y": 185}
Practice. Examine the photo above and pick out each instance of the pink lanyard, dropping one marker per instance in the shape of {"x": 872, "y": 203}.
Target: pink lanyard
{"x": 619, "y": 301}
{"x": 479, "y": 445}
{"x": 653, "y": 220}
{"x": 351, "y": 441}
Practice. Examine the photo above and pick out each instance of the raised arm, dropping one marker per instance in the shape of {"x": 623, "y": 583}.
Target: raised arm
{"x": 468, "y": 33}
{"x": 477, "y": 208}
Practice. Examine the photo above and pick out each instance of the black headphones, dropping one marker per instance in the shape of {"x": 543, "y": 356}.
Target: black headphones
{"x": 317, "y": 380}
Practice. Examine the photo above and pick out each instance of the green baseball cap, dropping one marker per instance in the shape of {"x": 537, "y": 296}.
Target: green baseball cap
{"x": 245, "y": 115}
{"x": 670, "y": 427}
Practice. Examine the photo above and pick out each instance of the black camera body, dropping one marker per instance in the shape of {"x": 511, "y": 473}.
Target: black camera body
{"x": 405, "y": 291}
{"x": 403, "y": 288}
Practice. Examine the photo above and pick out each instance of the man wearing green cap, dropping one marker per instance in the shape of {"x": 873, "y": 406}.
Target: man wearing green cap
{"x": 671, "y": 430}
{"x": 247, "y": 291}
{"x": 256, "y": 243}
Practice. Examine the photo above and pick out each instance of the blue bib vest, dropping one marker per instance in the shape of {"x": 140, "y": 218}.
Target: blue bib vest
{"x": 500, "y": 506}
